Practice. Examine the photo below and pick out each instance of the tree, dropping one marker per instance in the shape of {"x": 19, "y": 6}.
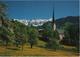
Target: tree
{"x": 20, "y": 32}
{"x": 32, "y": 36}
{"x": 5, "y": 33}
{"x": 19, "y": 40}
{"x": 71, "y": 32}
{"x": 52, "y": 35}
{"x": 3, "y": 8}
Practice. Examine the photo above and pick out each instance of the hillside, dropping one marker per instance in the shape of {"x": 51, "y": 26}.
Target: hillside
{"x": 72, "y": 19}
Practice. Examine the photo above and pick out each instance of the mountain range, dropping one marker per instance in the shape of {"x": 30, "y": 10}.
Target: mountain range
{"x": 59, "y": 22}
{"x": 34, "y": 22}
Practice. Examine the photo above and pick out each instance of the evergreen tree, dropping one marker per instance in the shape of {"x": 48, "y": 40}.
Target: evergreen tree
{"x": 52, "y": 35}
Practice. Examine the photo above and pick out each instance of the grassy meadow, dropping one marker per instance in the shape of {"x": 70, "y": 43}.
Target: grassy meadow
{"x": 38, "y": 50}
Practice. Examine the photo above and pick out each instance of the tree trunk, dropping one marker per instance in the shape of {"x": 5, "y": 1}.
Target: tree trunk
{"x": 6, "y": 44}
{"x": 31, "y": 45}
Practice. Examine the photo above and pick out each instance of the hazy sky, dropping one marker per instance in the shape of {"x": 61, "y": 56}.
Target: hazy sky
{"x": 42, "y": 9}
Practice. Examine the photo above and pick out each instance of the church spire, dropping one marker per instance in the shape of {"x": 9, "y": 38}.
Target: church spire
{"x": 53, "y": 21}
{"x": 53, "y": 17}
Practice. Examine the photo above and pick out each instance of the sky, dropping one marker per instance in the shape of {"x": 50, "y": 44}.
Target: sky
{"x": 42, "y": 9}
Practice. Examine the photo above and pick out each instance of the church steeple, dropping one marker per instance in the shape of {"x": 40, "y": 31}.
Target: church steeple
{"x": 53, "y": 21}
{"x": 53, "y": 17}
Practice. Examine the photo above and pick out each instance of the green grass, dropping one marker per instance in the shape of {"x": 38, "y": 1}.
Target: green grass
{"x": 38, "y": 50}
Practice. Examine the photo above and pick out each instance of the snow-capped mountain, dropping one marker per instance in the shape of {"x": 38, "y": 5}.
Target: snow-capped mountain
{"x": 34, "y": 22}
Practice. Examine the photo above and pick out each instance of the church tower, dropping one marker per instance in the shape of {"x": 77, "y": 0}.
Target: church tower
{"x": 53, "y": 21}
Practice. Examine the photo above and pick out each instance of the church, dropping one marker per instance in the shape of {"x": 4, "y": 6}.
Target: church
{"x": 54, "y": 26}
{"x": 61, "y": 33}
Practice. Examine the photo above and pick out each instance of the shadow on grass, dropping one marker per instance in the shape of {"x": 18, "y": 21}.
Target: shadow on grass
{"x": 49, "y": 49}
{"x": 72, "y": 49}
{"x": 60, "y": 48}
{"x": 41, "y": 46}
{"x": 13, "y": 48}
